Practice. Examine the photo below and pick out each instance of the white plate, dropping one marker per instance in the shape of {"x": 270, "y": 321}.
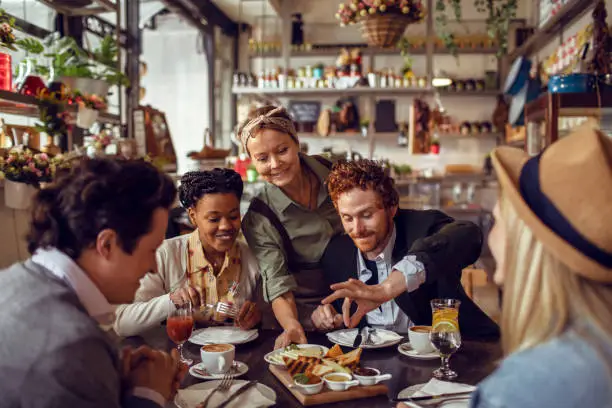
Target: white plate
{"x": 222, "y": 334}
{"x": 407, "y": 350}
{"x": 413, "y": 389}
{"x": 240, "y": 370}
{"x": 346, "y": 337}
{"x": 264, "y": 389}
{"x": 302, "y": 346}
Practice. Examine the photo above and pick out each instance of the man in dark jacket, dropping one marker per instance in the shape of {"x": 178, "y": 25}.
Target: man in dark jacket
{"x": 393, "y": 262}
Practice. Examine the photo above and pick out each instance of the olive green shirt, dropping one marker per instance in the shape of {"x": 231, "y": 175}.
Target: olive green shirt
{"x": 309, "y": 230}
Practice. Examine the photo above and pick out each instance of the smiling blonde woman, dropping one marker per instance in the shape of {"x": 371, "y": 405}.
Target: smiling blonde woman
{"x": 553, "y": 245}
{"x": 289, "y": 223}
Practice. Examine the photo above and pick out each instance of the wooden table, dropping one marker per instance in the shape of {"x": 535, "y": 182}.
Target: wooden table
{"x": 473, "y": 362}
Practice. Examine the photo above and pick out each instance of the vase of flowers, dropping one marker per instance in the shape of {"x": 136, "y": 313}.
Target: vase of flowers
{"x": 99, "y": 143}
{"x": 23, "y": 172}
{"x": 89, "y": 109}
{"x": 382, "y": 21}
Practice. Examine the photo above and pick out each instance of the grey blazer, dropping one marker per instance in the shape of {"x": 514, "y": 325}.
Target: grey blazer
{"x": 52, "y": 354}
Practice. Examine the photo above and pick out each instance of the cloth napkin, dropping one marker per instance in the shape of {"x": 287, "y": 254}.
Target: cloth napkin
{"x": 228, "y": 334}
{"x": 348, "y": 336}
{"x": 437, "y": 387}
{"x": 252, "y": 398}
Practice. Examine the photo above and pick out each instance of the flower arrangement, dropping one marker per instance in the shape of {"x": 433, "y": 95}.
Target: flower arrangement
{"x": 7, "y": 37}
{"x": 53, "y": 115}
{"x": 96, "y": 102}
{"x": 23, "y": 166}
{"x": 354, "y": 11}
{"x": 101, "y": 141}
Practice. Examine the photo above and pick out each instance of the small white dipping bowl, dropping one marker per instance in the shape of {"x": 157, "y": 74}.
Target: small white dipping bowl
{"x": 372, "y": 379}
{"x": 308, "y": 389}
{"x": 347, "y": 383}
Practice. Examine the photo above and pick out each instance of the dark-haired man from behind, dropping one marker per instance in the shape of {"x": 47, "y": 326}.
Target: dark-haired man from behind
{"x": 393, "y": 262}
{"x": 93, "y": 236}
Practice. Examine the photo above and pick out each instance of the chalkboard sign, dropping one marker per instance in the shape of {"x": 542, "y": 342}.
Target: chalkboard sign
{"x": 385, "y": 116}
{"x": 305, "y": 111}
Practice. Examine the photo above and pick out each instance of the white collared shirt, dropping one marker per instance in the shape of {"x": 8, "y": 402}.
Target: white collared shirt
{"x": 389, "y": 315}
{"x": 92, "y": 299}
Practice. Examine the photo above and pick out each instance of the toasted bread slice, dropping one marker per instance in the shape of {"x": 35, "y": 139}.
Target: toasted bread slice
{"x": 319, "y": 370}
{"x": 334, "y": 352}
{"x": 300, "y": 365}
{"x": 351, "y": 358}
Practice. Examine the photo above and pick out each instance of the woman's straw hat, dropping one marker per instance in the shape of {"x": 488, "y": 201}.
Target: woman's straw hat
{"x": 564, "y": 195}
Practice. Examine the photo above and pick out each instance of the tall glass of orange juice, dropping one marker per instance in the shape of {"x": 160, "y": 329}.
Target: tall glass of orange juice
{"x": 445, "y": 335}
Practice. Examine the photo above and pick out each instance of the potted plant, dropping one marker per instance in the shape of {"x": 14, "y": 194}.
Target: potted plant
{"x": 89, "y": 107}
{"x": 53, "y": 121}
{"x": 498, "y": 13}
{"x": 382, "y": 21}
{"x": 99, "y": 143}
{"x": 23, "y": 172}
{"x": 434, "y": 147}
{"x": 365, "y": 127}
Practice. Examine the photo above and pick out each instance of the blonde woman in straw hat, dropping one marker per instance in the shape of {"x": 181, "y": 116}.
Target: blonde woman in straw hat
{"x": 289, "y": 222}
{"x": 552, "y": 240}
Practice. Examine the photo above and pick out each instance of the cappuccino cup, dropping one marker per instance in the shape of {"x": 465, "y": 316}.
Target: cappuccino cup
{"x": 217, "y": 358}
{"x": 419, "y": 339}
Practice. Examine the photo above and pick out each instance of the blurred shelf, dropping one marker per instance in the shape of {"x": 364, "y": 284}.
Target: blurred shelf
{"x": 321, "y": 92}
{"x": 460, "y": 136}
{"x": 332, "y": 51}
{"x": 100, "y": 6}
{"x": 485, "y": 92}
{"x": 569, "y": 13}
{"x": 25, "y": 105}
{"x": 569, "y": 104}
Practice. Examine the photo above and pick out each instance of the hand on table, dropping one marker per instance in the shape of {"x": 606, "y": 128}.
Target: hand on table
{"x": 248, "y": 316}
{"x": 367, "y": 297}
{"x": 326, "y": 318}
{"x": 184, "y": 295}
{"x": 291, "y": 335}
{"x": 153, "y": 369}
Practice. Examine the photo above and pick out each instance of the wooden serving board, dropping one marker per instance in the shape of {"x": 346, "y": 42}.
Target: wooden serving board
{"x": 327, "y": 396}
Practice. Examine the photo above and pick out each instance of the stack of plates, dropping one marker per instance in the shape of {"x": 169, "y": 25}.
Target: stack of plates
{"x": 223, "y": 334}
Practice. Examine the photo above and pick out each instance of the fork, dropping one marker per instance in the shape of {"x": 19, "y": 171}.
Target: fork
{"x": 224, "y": 308}
{"x": 225, "y": 385}
{"x": 368, "y": 340}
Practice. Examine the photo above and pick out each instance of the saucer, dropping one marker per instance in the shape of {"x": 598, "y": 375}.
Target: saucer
{"x": 407, "y": 350}
{"x": 239, "y": 369}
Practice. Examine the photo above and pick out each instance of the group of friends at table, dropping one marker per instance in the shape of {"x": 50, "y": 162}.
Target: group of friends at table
{"x": 325, "y": 247}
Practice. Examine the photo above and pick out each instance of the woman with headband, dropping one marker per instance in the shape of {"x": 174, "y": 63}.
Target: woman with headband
{"x": 204, "y": 267}
{"x": 289, "y": 223}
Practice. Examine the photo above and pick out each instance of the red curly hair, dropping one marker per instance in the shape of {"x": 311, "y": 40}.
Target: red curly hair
{"x": 364, "y": 174}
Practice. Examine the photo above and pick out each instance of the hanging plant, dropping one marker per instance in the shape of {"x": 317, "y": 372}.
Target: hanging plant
{"x": 499, "y": 13}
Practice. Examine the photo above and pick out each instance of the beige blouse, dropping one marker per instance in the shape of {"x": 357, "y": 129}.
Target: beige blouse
{"x": 150, "y": 306}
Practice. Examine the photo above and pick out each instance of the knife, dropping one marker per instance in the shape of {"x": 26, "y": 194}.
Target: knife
{"x": 241, "y": 390}
{"x": 433, "y": 397}
{"x": 358, "y": 338}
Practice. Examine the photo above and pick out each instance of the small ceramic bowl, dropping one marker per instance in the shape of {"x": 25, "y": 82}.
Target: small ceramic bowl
{"x": 335, "y": 385}
{"x": 308, "y": 389}
{"x": 372, "y": 379}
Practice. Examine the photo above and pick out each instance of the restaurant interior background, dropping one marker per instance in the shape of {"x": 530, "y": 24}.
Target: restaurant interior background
{"x": 189, "y": 71}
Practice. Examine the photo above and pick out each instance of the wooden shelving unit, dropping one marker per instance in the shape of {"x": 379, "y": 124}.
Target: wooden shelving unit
{"x": 99, "y": 6}
{"x": 548, "y": 108}
{"x": 571, "y": 11}
{"x": 24, "y": 105}
{"x": 334, "y": 92}
{"x": 369, "y": 51}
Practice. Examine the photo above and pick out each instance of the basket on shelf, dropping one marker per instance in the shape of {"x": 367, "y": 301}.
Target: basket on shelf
{"x": 384, "y": 30}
